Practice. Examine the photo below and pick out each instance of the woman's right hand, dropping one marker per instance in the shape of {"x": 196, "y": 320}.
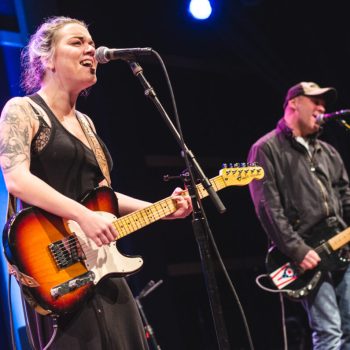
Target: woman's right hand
{"x": 98, "y": 228}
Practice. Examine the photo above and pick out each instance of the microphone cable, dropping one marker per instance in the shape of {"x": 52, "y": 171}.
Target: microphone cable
{"x": 211, "y": 238}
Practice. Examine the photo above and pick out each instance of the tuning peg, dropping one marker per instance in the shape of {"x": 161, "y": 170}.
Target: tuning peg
{"x": 224, "y": 165}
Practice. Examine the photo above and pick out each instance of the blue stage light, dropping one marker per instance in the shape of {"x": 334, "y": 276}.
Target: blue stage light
{"x": 200, "y": 9}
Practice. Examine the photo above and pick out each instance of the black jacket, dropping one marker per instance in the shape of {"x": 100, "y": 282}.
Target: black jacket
{"x": 298, "y": 191}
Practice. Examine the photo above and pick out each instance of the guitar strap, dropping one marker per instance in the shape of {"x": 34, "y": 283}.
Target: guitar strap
{"x": 12, "y": 206}
{"x": 91, "y": 137}
{"x": 95, "y": 146}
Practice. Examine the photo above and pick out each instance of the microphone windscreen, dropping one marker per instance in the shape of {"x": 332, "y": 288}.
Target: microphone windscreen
{"x": 101, "y": 55}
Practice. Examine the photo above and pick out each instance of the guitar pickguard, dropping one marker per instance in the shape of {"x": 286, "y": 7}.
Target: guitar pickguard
{"x": 105, "y": 260}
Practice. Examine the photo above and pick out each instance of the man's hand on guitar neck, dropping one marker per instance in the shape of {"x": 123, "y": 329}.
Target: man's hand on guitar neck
{"x": 310, "y": 261}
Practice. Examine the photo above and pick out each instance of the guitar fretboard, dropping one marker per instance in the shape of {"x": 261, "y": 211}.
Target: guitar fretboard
{"x": 141, "y": 218}
{"x": 340, "y": 239}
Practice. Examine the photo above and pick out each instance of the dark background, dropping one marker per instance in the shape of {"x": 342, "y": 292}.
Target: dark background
{"x": 229, "y": 75}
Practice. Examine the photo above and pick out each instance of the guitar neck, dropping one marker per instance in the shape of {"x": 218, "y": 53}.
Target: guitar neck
{"x": 340, "y": 239}
{"x": 143, "y": 217}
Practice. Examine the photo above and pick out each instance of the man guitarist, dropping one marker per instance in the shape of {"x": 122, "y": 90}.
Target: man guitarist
{"x": 306, "y": 190}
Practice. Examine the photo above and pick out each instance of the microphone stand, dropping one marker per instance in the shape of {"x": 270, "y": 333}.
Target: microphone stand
{"x": 150, "y": 287}
{"x": 199, "y": 223}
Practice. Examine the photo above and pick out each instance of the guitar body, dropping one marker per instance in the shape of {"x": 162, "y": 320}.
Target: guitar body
{"x": 62, "y": 264}
{"x": 288, "y": 276}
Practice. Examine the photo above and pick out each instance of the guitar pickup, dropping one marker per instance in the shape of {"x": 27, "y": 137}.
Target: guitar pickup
{"x": 72, "y": 284}
{"x": 66, "y": 252}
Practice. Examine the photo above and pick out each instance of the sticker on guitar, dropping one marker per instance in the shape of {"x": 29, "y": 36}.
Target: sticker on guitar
{"x": 284, "y": 275}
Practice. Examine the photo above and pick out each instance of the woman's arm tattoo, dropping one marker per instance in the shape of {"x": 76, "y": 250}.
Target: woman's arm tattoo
{"x": 15, "y": 136}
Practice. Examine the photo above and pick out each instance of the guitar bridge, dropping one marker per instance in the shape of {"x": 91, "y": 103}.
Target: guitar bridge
{"x": 66, "y": 252}
{"x": 72, "y": 284}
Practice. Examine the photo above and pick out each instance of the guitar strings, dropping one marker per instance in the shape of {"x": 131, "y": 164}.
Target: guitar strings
{"x": 124, "y": 223}
{"x": 70, "y": 244}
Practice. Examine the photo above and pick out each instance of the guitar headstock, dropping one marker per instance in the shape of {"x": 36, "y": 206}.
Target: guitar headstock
{"x": 240, "y": 174}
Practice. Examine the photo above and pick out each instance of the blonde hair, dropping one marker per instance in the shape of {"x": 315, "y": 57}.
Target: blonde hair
{"x": 40, "y": 48}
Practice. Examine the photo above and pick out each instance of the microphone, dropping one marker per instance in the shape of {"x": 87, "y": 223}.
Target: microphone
{"x": 323, "y": 118}
{"x": 104, "y": 54}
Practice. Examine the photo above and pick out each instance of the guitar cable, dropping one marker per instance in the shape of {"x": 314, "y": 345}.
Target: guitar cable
{"x": 9, "y": 298}
{"x": 28, "y": 329}
{"x": 257, "y": 280}
{"x": 284, "y": 328}
{"x": 53, "y": 336}
{"x": 283, "y": 316}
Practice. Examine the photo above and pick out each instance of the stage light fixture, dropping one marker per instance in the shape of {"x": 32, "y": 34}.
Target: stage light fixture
{"x": 200, "y": 9}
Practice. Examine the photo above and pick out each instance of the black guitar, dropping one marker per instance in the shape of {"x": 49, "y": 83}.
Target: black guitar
{"x": 289, "y": 277}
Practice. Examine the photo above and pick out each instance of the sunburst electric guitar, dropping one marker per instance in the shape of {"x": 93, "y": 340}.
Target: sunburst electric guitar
{"x": 60, "y": 265}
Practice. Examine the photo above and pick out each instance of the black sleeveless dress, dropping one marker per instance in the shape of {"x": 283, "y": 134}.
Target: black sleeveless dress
{"x": 110, "y": 318}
